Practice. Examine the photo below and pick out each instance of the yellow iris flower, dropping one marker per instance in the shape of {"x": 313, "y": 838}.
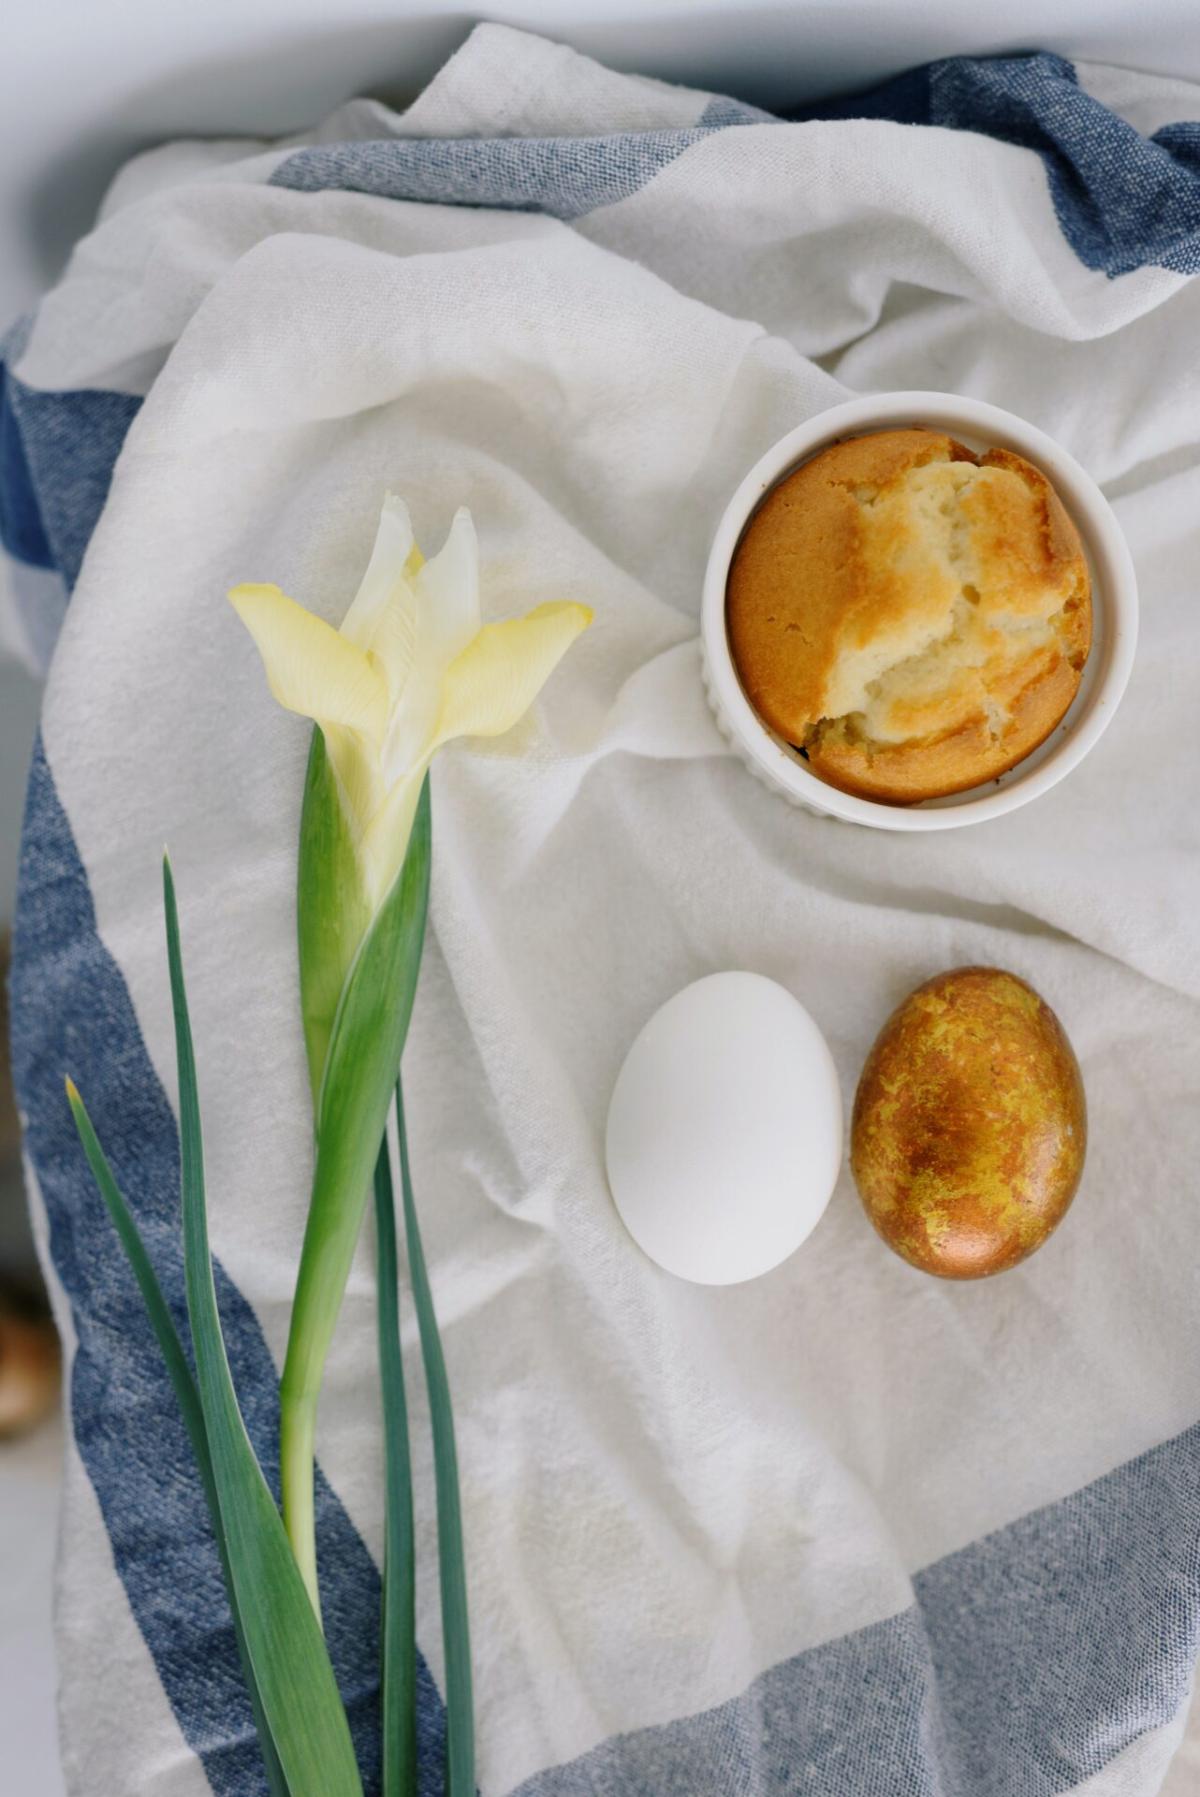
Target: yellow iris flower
{"x": 412, "y": 667}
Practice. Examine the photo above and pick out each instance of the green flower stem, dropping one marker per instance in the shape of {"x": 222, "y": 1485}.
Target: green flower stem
{"x": 365, "y": 1043}
{"x": 452, "y": 1571}
{"x": 297, "y": 1444}
{"x": 398, "y": 1630}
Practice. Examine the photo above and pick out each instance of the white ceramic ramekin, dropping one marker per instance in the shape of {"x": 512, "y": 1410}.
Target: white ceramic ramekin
{"x": 1114, "y": 614}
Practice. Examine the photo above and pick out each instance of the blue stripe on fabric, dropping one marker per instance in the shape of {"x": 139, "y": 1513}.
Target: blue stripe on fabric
{"x": 71, "y": 1013}
{"x": 71, "y": 442}
{"x": 1060, "y": 1639}
{"x": 1029, "y": 1661}
{"x": 1123, "y": 201}
{"x": 857, "y": 1719}
{"x": 563, "y": 176}
{"x": 21, "y": 529}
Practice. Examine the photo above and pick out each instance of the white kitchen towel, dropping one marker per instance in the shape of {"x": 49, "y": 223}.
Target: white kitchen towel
{"x": 845, "y": 1530}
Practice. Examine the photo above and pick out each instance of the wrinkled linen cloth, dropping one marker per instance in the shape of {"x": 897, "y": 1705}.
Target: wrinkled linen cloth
{"x": 845, "y": 1530}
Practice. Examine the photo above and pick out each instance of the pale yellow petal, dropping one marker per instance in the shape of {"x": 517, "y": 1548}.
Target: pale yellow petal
{"x": 446, "y": 590}
{"x": 382, "y": 620}
{"x": 387, "y": 567}
{"x": 491, "y": 685}
{"x": 381, "y": 850}
{"x": 393, "y": 639}
{"x": 310, "y": 668}
{"x": 448, "y": 594}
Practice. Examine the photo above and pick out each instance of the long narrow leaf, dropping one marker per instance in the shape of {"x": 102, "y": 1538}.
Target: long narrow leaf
{"x": 331, "y": 910}
{"x": 365, "y": 1044}
{"x": 398, "y": 1635}
{"x": 186, "y": 1395}
{"x": 452, "y": 1571}
{"x": 283, "y": 1637}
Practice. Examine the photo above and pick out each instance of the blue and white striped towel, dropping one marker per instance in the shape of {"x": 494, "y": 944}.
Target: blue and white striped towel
{"x": 845, "y": 1531}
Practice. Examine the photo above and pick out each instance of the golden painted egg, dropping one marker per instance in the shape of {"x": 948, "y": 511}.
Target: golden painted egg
{"x": 970, "y": 1124}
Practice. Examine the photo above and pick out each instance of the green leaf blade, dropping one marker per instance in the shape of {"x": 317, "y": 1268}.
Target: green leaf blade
{"x": 452, "y": 1569}
{"x": 331, "y": 910}
{"x": 287, "y": 1652}
{"x": 398, "y": 1634}
{"x": 186, "y": 1395}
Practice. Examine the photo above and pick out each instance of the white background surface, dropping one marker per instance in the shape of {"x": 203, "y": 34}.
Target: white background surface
{"x": 85, "y": 86}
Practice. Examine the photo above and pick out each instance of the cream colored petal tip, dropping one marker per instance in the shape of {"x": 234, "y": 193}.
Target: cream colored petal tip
{"x": 492, "y": 684}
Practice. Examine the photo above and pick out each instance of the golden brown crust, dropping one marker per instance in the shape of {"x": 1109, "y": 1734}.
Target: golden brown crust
{"x": 913, "y": 617}
{"x": 969, "y": 1128}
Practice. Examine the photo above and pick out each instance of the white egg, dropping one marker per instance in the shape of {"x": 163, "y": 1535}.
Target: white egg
{"x": 725, "y": 1130}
